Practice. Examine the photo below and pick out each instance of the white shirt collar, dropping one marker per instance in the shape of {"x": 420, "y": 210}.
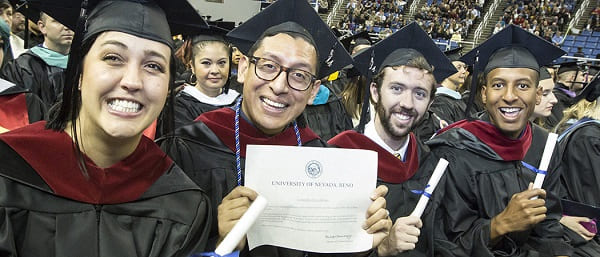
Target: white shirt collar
{"x": 220, "y": 100}
{"x": 371, "y": 133}
{"x": 448, "y": 92}
{"x": 5, "y": 84}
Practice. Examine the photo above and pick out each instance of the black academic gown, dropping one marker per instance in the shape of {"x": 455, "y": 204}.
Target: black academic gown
{"x": 31, "y": 72}
{"x": 478, "y": 185}
{"x": 430, "y": 124}
{"x": 564, "y": 102}
{"x": 579, "y": 152}
{"x": 48, "y": 207}
{"x": 20, "y": 107}
{"x": 210, "y": 162}
{"x": 538, "y": 143}
{"x": 447, "y": 108}
{"x": 328, "y": 119}
{"x": 188, "y": 108}
{"x": 401, "y": 179}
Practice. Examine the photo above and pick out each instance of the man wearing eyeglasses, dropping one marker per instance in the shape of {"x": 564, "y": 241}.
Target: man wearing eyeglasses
{"x": 279, "y": 75}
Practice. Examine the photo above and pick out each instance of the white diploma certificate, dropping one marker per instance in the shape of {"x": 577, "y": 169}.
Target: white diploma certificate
{"x": 317, "y": 197}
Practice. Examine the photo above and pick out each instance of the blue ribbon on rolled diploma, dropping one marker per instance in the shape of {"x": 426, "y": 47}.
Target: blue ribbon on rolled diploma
{"x": 534, "y": 169}
{"x": 422, "y": 192}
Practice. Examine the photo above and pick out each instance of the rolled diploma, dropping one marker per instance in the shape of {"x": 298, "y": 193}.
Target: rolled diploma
{"x": 433, "y": 181}
{"x": 242, "y": 226}
{"x": 546, "y": 156}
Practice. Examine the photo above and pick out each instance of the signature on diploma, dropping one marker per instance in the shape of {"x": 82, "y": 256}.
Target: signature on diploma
{"x": 338, "y": 237}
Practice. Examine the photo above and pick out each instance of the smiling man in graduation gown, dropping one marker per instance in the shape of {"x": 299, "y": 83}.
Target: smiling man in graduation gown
{"x": 402, "y": 90}
{"x": 287, "y": 47}
{"x": 487, "y": 208}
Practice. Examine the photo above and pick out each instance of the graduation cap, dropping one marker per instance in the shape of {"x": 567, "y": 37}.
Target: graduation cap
{"x": 297, "y": 17}
{"x": 398, "y": 49}
{"x": 26, "y": 9}
{"x": 454, "y": 54}
{"x": 591, "y": 91}
{"x": 567, "y": 66}
{"x": 212, "y": 33}
{"x": 512, "y": 47}
{"x": 143, "y": 18}
{"x": 361, "y": 38}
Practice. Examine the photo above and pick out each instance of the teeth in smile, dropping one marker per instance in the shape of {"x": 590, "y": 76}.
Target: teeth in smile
{"x": 124, "y": 106}
{"x": 402, "y": 116}
{"x": 510, "y": 110}
{"x": 274, "y": 104}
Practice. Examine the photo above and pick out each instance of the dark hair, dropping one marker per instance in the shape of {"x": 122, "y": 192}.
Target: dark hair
{"x": 258, "y": 44}
{"x": 5, "y": 4}
{"x": 418, "y": 62}
{"x": 67, "y": 109}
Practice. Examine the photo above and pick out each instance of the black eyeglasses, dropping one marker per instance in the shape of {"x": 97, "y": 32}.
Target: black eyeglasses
{"x": 269, "y": 70}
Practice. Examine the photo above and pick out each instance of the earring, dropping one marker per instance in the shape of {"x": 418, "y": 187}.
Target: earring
{"x": 192, "y": 80}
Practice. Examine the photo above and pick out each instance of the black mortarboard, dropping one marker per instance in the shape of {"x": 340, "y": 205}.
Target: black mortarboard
{"x": 544, "y": 74}
{"x": 591, "y": 91}
{"x": 454, "y": 54}
{"x": 567, "y": 66}
{"x": 298, "y": 17}
{"x": 512, "y": 47}
{"x": 361, "y": 38}
{"x": 26, "y": 9}
{"x": 212, "y": 33}
{"x": 143, "y": 18}
{"x": 573, "y": 208}
{"x": 399, "y": 48}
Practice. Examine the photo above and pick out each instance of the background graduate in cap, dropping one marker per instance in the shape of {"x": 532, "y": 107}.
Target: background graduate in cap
{"x": 570, "y": 79}
{"x": 208, "y": 57}
{"x": 547, "y": 102}
{"x": 579, "y": 153}
{"x": 88, "y": 183}
{"x": 408, "y": 64}
{"x": 448, "y": 104}
{"x": 287, "y": 49}
{"x": 487, "y": 208}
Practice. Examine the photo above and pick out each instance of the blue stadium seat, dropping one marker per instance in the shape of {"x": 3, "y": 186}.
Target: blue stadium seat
{"x": 376, "y": 29}
{"x": 570, "y": 38}
{"x": 596, "y": 34}
{"x": 579, "y": 44}
{"x": 590, "y": 45}
{"x": 586, "y": 33}
{"x": 453, "y": 44}
{"x": 565, "y": 48}
{"x": 588, "y": 51}
{"x": 593, "y": 39}
{"x": 581, "y": 38}
{"x": 568, "y": 43}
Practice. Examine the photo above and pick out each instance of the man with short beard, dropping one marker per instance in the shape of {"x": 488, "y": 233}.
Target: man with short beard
{"x": 402, "y": 91}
